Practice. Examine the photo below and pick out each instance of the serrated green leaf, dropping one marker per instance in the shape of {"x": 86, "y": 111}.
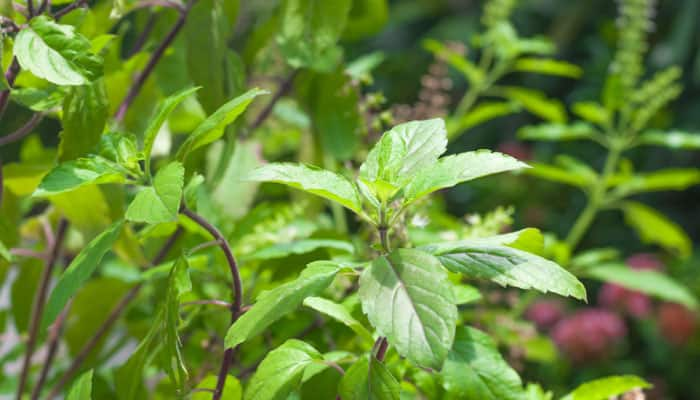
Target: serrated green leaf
{"x": 452, "y": 170}
{"x": 672, "y": 139}
{"x": 369, "y": 379}
{"x": 654, "y": 227}
{"x": 547, "y": 66}
{"x": 311, "y": 179}
{"x": 82, "y": 388}
{"x": 339, "y": 313}
{"x": 79, "y": 271}
{"x": 281, "y": 371}
{"x": 651, "y": 282}
{"x": 557, "y": 132}
{"x": 537, "y": 103}
{"x": 156, "y": 122}
{"x": 482, "y": 112}
{"x": 309, "y": 31}
{"x": 160, "y": 202}
{"x": 408, "y": 299}
{"x": 85, "y": 110}
{"x": 71, "y": 175}
{"x": 404, "y": 151}
{"x": 606, "y": 388}
{"x": 212, "y": 128}
{"x": 280, "y": 301}
{"x": 475, "y": 370}
{"x": 56, "y": 53}
{"x": 506, "y": 266}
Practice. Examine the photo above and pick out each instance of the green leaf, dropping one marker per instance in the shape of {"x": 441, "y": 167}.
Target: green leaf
{"x": 82, "y": 388}
{"x": 592, "y": 111}
{"x": 404, "y": 151}
{"x": 547, "y": 66}
{"x": 120, "y": 148}
{"x": 654, "y": 227}
{"x": 452, "y": 170}
{"x": 663, "y": 179}
{"x": 5, "y": 253}
{"x": 482, "y": 112}
{"x": 128, "y": 378}
{"x": 160, "y": 202}
{"x": 36, "y": 99}
{"x": 304, "y": 246}
{"x": 311, "y": 179}
{"x": 475, "y": 370}
{"x": 233, "y": 182}
{"x": 178, "y": 284}
{"x": 606, "y": 388}
{"x": 56, "y": 53}
{"x": 309, "y": 31}
{"x": 408, "y": 299}
{"x": 506, "y": 266}
{"x": 672, "y": 140}
{"x": 280, "y": 301}
{"x": 232, "y": 388}
{"x": 85, "y": 110}
{"x": 528, "y": 239}
{"x": 339, "y": 313}
{"x": 71, "y": 175}
{"x": 457, "y": 61}
{"x": 651, "y": 282}
{"x": 559, "y": 175}
{"x": 537, "y": 103}
{"x": 156, "y": 122}
{"x": 465, "y": 294}
{"x": 369, "y": 379}
{"x": 212, "y": 128}
{"x": 281, "y": 371}
{"x": 557, "y": 132}
{"x": 79, "y": 271}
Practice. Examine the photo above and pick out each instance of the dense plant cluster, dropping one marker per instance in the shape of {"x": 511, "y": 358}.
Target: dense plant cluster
{"x": 213, "y": 199}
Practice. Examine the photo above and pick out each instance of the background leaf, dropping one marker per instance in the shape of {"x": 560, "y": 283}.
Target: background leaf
{"x": 81, "y": 388}
{"x": 654, "y": 227}
{"x": 85, "y": 110}
{"x": 369, "y": 379}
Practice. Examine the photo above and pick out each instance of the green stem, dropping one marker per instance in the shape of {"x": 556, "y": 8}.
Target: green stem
{"x": 468, "y": 100}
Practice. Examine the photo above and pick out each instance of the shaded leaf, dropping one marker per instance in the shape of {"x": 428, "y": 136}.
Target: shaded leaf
{"x": 85, "y": 110}
{"x": 339, "y": 313}
{"x": 408, "y": 299}
{"x": 304, "y": 246}
{"x": 369, "y": 379}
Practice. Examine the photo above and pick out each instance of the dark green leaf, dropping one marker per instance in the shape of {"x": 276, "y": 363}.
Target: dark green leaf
{"x": 369, "y": 379}
{"x": 280, "y": 301}
{"x": 85, "y": 110}
{"x": 56, "y": 53}
{"x": 475, "y": 370}
{"x": 408, "y": 299}
{"x": 160, "y": 202}
{"x": 79, "y": 271}
{"x": 339, "y": 313}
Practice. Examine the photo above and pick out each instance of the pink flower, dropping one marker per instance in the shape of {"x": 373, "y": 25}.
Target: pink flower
{"x": 628, "y": 301}
{"x": 676, "y": 322}
{"x": 516, "y": 149}
{"x": 545, "y": 313}
{"x": 589, "y": 334}
{"x": 645, "y": 261}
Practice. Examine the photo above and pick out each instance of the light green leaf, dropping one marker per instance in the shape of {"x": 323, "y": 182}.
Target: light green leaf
{"x": 547, "y": 66}
{"x": 309, "y": 31}
{"x": 280, "y": 301}
{"x": 465, "y": 294}
{"x": 120, "y": 148}
{"x": 56, "y": 53}
{"x": 339, "y": 313}
{"x": 404, "y": 151}
{"x": 232, "y": 388}
{"x": 79, "y": 271}
{"x": 606, "y": 388}
{"x": 160, "y": 202}
{"x": 663, "y": 179}
{"x": 475, "y": 370}
{"x": 654, "y": 227}
{"x": 506, "y": 266}
{"x": 537, "y": 103}
{"x": 361, "y": 68}
{"x": 651, "y": 282}
{"x": 457, "y": 61}
{"x": 85, "y": 110}
{"x": 557, "y": 132}
{"x": 304, "y": 246}
{"x": 5, "y": 253}
{"x": 592, "y": 111}
{"x": 281, "y": 371}
{"x": 311, "y": 179}
{"x": 528, "y": 239}
{"x": 71, "y": 175}
{"x": 234, "y": 182}
{"x": 369, "y": 379}
{"x": 212, "y": 128}
{"x": 482, "y": 112}
{"x": 672, "y": 140}
{"x": 82, "y": 388}
{"x": 557, "y": 174}
{"x": 452, "y": 170}
{"x": 156, "y": 122}
{"x": 408, "y": 299}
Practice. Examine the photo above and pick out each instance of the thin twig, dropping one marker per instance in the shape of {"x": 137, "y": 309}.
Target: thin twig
{"x": 111, "y": 319}
{"x": 53, "y": 340}
{"x": 10, "y": 76}
{"x": 281, "y": 91}
{"x": 237, "y": 292}
{"x": 141, "y": 40}
{"x": 30, "y": 8}
{"x": 45, "y": 5}
{"x": 23, "y": 131}
{"x": 29, "y": 253}
{"x": 72, "y": 6}
{"x": 38, "y": 305}
{"x": 155, "y": 57}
